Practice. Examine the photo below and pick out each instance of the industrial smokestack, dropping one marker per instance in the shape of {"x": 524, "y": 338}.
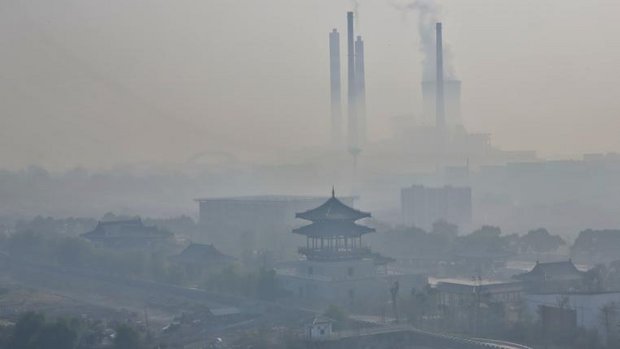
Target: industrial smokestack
{"x": 439, "y": 97}
{"x": 334, "y": 75}
{"x": 351, "y": 89}
{"x": 360, "y": 82}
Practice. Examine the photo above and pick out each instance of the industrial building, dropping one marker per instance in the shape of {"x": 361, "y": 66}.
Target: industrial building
{"x": 356, "y": 91}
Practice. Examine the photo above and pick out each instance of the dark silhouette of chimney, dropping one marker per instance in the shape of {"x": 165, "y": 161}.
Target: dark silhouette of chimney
{"x": 360, "y": 93}
{"x": 335, "y": 88}
{"x": 351, "y": 89}
{"x": 440, "y": 113}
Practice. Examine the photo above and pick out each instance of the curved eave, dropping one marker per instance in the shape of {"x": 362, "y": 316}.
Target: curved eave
{"x": 332, "y": 210}
{"x": 333, "y": 230}
{"x": 314, "y": 217}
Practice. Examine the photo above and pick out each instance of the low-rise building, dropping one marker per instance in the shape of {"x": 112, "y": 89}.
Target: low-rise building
{"x": 320, "y": 329}
{"x": 459, "y": 296}
{"x": 553, "y": 277}
{"x": 595, "y": 311}
{"x": 131, "y": 233}
{"x": 198, "y": 259}
{"x": 458, "y": 292}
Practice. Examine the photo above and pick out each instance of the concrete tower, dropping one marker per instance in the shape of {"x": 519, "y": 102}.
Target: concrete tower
{"x": 352, "y": 128}
{"x": 335, "y": 88}
{"x": 452, "y": 99}
{"x": 360, "y": 82}
{"x": 440, "y": 114}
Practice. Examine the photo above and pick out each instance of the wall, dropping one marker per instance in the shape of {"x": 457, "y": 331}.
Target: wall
{"x": 588, "y": 306}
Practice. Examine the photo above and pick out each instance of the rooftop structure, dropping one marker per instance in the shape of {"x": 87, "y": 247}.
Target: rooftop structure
{"x": 202, "y": 255}
{"x": 198, "y": 260}
{"x": 458, "y": 292}
{"x": 553, "y": 277}
{"x": 320, "y": 329}
{"x": 127, "y": 233}
{"x": 333, "y": 233}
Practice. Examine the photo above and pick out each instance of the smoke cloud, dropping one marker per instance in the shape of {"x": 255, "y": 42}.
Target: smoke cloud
{"x": 429, "y": 13}
{"x": 356, "y": 9}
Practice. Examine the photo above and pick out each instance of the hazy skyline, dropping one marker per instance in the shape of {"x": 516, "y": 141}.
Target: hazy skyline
{"x": 100, "y": 83}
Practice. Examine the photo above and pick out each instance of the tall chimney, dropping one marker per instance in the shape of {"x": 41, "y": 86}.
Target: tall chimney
{"x": 351, "y": 88}
{"x": 440, "y": 112}
{"x": 360, "y": 82}
{"x": 335, "y": 88}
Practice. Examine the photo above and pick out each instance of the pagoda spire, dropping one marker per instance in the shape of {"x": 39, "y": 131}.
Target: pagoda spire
{"x": 333, "y": 192}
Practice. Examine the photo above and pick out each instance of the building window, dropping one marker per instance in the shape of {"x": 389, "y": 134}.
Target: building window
{"x": 350, "y": 271}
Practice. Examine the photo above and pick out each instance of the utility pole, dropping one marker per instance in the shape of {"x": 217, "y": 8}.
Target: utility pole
{"x": 394, "y": 292}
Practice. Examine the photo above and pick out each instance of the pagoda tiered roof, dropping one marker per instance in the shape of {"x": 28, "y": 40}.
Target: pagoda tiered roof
{"x": 333, "y": 234}
{"x": 321, "y": 229}
{"x": 332, "y": 210}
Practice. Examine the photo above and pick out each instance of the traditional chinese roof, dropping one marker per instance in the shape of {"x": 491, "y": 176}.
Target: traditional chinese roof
{"x": 332, "y": 210}
{"x": 333, "y": 228}
{"x": 202, "y": 254}
{"x": 126, "y": 229}
{"x": 552, "y": 271}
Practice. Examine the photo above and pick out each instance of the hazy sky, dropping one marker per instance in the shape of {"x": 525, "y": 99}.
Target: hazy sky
{"x": 101, "y": 82}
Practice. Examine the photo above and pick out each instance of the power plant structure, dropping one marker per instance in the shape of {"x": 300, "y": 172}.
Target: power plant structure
{"x": 352, "y": 125}
{"x": 360, "y": 82}
{"x": 452, "y": 101}
{"x": 440, "y": 111}
{"x": 356, "y": 89}
{"x": 442, "y": 97}
{"x": 440, "y": 142}
{"x": 335, "y": 88}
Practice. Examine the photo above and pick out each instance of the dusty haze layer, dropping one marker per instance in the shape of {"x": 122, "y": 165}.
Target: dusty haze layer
{"x": 98, "y": 83}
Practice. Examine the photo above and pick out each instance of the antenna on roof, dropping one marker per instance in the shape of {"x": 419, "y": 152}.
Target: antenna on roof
{"x": 333, "y": 192}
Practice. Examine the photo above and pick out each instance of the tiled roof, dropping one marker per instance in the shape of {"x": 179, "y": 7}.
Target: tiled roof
{"x": 337, "y": 228}
{"x": 332, "y": 209}
{"x": 552, "y": 270}
{"x": 201, "y": 253}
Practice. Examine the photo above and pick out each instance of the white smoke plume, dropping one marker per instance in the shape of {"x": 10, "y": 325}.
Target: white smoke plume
{"x": 429, "y": 13}
{"x": 356, "y": 9}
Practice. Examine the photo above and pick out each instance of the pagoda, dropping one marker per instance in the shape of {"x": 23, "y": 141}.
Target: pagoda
{"x": 333, "y": 234}
{"x": 338, "y": 268}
